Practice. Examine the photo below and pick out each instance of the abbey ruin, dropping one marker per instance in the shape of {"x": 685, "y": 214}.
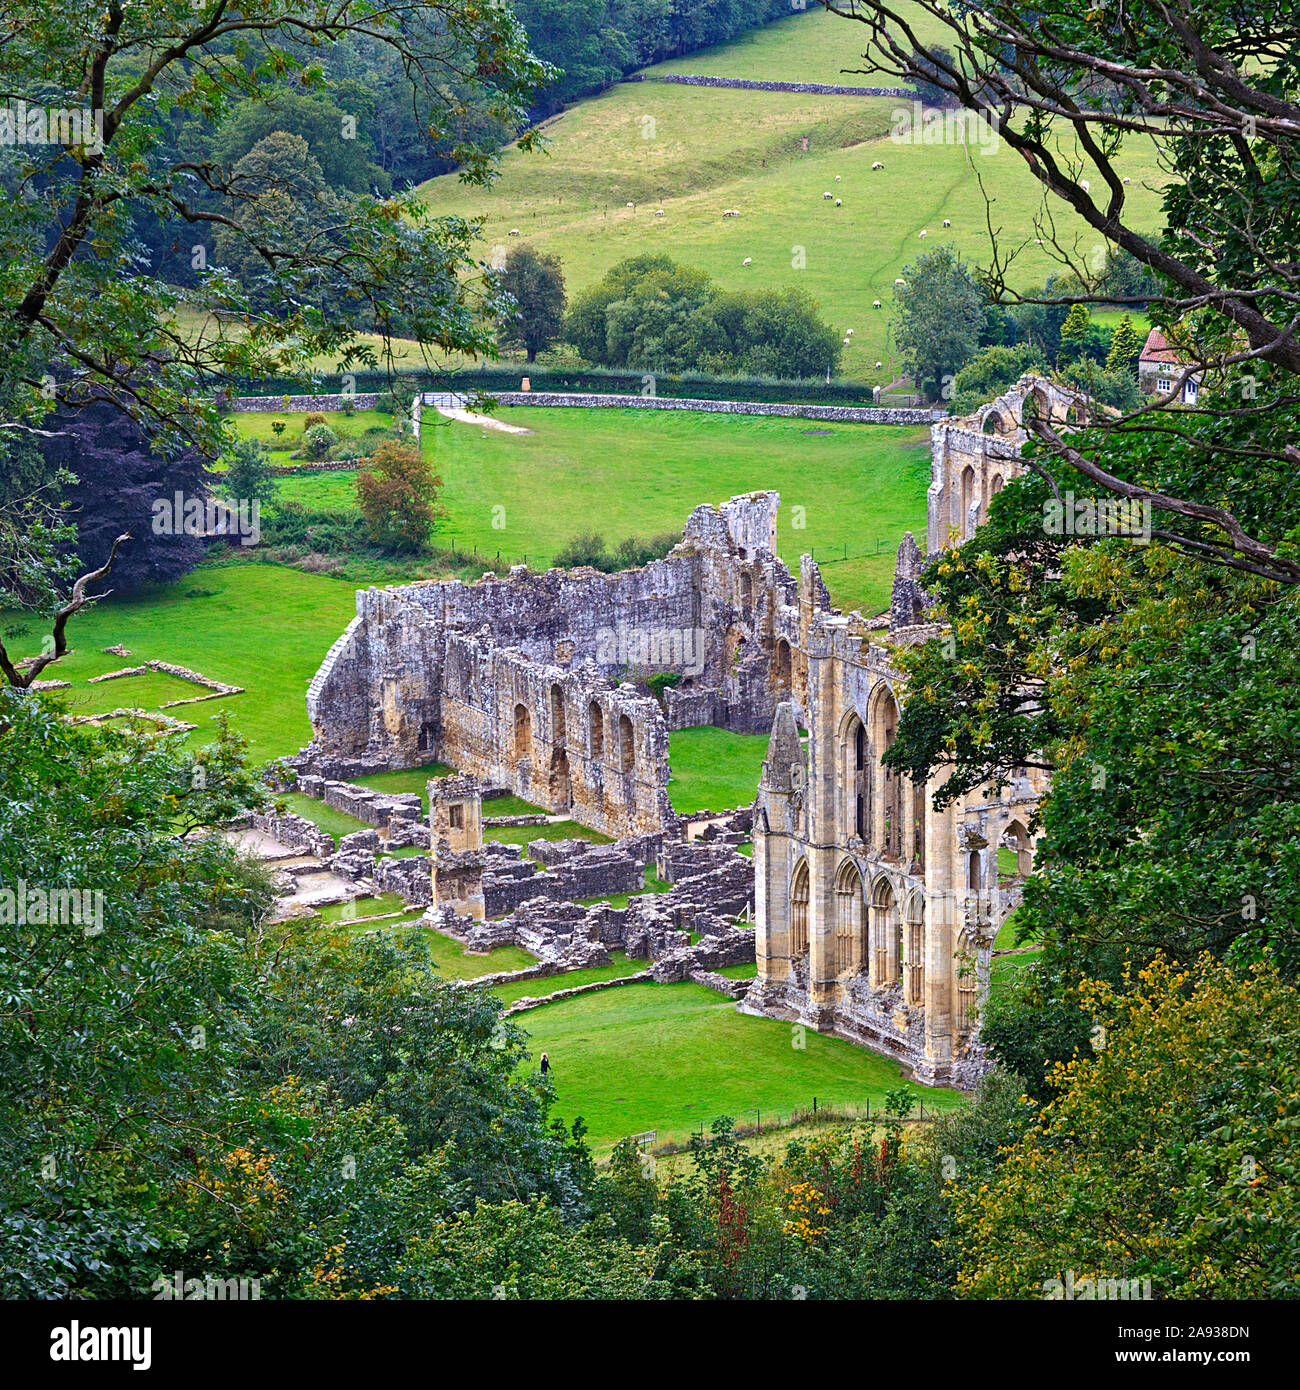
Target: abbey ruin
{"x": 527, "y": 682}
{"x": 874, "y": 914}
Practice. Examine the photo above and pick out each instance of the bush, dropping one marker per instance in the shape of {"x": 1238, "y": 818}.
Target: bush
{"x": 588, "y": 548}
{"x": 990, "y": 372}
{"x": 313, "y": 419}
{"x": 319, "y": 440}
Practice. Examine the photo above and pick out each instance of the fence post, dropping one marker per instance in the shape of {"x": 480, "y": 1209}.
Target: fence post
{"x": 814, "y": 1107}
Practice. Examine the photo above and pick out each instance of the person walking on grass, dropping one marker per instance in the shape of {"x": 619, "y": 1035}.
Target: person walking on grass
{"x": 546, "y": 1066}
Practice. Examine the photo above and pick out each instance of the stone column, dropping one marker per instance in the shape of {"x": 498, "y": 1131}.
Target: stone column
{"x": 823, "y": 700}
{"x": 941, "y": 928}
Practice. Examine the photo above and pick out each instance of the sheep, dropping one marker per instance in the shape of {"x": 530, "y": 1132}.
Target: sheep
{"x": 875, "y": 304}
{"x": 847, "y": 341}
{"x": 839, "y": 202}
{"x": 923, "y": 232}
{"x": 514, "y": 231}
{"x": 837, "y": 178}
{"x": 900, "y": 281}
{"x": 828, "y": 195}
{"x": 659, "y": 212}
{"x": 631, "y": 205}
{"x": 848, "y": 332}
{"x": 877, "y": 165}
{"x": 1128, "y": 180}
{"x": 749, "y": 260}
{"x": 1083, "y": 183}
{"x": 947, "y": 221}
{"x": 879, "y": 365}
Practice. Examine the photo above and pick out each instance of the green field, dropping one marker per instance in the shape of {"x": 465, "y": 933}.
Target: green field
{"x": 845, "y": 489}
{"x": 618, "y": 968}
{"x": 670, "y": 1057}
{"x": 694, "y": 151}
{"x": 714, "y": 769}
{"x": 263, "y": 627}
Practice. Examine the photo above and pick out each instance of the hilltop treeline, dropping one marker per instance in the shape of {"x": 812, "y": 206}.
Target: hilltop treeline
{"x": 597, "y": 42}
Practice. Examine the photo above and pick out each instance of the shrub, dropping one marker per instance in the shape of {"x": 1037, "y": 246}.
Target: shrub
{"x": 313, "y": 419}
{"x": 398, "y": 497}
{"x": 319, "y": 440}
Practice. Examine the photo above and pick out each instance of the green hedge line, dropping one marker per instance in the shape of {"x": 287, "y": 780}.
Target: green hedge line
{"x": 593, "y": 380}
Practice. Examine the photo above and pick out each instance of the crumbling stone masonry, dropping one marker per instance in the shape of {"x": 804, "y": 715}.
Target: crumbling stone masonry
{"x": 525, "y": 681}
{"x": 876, "y": 914}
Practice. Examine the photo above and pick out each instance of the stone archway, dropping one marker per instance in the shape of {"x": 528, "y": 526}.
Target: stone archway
{"x": 523, "y": 733}
{"x": 848, "y": 918}
{"x": 799, "y": 894}
{"x": 561, "y": 784}
{"x": 886, "y": 936}
{"x": 626, "y": 744}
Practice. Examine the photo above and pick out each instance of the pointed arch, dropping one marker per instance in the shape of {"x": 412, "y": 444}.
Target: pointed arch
{"x": 966, "y": 976}
{"x": 523, "y": 732}
{"x": 855, "y": 776}
{"x": 914, "y": 970}
{"x": 799, "y": 894}
{"x": 557, "y": 714}
{"x": 886, "y": 934}
{"x": 849, "y": 916}
{"x": 888, "y": 805}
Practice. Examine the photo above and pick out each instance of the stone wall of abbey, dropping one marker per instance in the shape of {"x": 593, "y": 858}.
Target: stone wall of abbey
{"x": 875, "y": 913}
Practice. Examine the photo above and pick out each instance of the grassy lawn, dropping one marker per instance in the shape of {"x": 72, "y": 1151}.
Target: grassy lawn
{"x": 553, "y": 830}
{"x": 409, "y": 779}
{"x": 714, "y": 769}
{"x": 363, "y": 907}
{"x": 670, "y": 1057}
{"x": 259, "y": 426}
{"x": 520, "y": 498}
{"x": 454, "y": 963}
{"x": 263, "y": 627}
{"x": 511, "y": 806}
{"x": 332, "y": 822}
{"x": 694, "y": 151}
{"x": 618, "y": 969}
{"x": 747, "y": 970}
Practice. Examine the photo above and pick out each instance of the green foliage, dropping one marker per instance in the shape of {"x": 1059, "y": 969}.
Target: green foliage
{"x": 535, "y": 282}
{"x": 990, "y": 372}
{"x": 248, "y": 475}
{"x": 1168, "y": 1145}
{"x": 1125, "y": 347}
{"x": 398, "y": 497}
{"x": 651, "y": 313}
{"x": 292, "y": 269}
{"x": 318, "y": 441}
{"x": 1074, "y": 332}
{"x": 939, "y": 313}
{"x": 587, "y": 548}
